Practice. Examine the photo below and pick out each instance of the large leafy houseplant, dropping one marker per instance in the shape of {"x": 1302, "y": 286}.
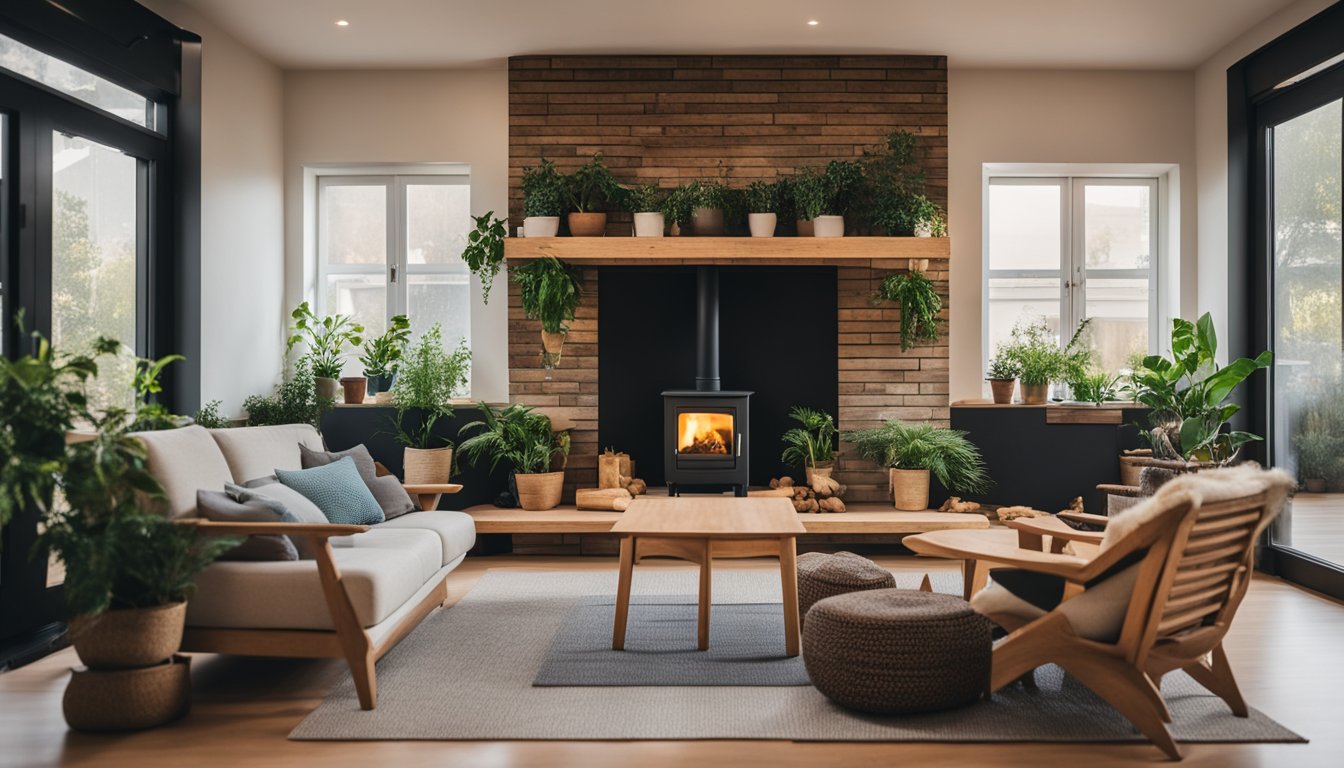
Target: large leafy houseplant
{"x": 326, "y": 339}
{"x": 1188, "y": 395}
{"x": 811, "y": 444}
{"x": 484, "y": 253}
{"x": 522, "y": 439}
{"x": 550, "y": 292}
{"x": 920, "y": 305}
{"x": 913, "y": 452}
{"x": 383, "y": 353}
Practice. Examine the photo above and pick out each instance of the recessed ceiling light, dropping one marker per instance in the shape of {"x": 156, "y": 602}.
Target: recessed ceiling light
{"x": 342, "y": 23}
{"x": 813, "y": 22}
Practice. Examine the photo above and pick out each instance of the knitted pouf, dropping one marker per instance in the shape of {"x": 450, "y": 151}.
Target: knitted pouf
{"x": 821, "y": 576}
{"x": 894, "y": 651}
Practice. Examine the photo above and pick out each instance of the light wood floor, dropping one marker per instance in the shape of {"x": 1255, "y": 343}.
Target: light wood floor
{"x": 1285, "y": 648}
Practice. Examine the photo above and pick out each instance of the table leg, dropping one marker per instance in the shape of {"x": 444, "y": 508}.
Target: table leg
{"x": 788, "y": 574}
{"x": 974, "y": 576}
{"x": 623, "y": 592}
{"x": 702, "y": 624}
{"x": 428, "y": 501}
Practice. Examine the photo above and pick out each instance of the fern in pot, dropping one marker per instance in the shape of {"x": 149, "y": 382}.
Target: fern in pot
{"x": 550, "y": 292}
{"x": 811, "y": 443}
{"x": 326, "y": 338}
{"x": 544, "y": 197}
{"x": 646, "y": 204}
{"x": 382, "y": 355}
{"x": 427, "y": 381}
{"x": 913, "y": 452}
{"x": 522, "y": 439}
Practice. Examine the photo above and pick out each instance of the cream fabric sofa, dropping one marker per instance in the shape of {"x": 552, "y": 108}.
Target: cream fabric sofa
{"x": 367, "y": 587}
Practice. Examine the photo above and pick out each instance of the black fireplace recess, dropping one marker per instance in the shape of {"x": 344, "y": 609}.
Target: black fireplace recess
{"x": 705, "y": 429}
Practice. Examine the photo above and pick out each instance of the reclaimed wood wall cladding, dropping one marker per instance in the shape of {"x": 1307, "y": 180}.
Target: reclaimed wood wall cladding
{"x": 667, "y": 120}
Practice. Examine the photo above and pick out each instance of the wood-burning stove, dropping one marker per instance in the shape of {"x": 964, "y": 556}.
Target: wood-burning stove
{"x": 705, "y": 429}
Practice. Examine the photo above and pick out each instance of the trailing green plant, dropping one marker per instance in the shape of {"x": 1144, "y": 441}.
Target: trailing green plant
{"x": 551, "y": 292}
{"x": 1096, "y": 387}
{"x": 427, "y": 381}
{"x": 326, "y": 338}
{"x": 762, "y": 197}
{"x": 920, "y": 305}
{"x": 382, "y": 353}
{"x": 812, "y": 442}
{"x": 645, "y": 198}
{"x": 208, "y": 416}
{"x": 515, "y": 435}
{"x": 484, "y": 253}
{"x": 294, "y": 401}
{"x": 1002, "y": 368}
{"x": 592, "y": 187}
{"x": 544, "y": 190}
{"x": 1187, "y": 395}
{"x": 151, "y": 415}
{"x": 945, "y": 453}
{"x": 680, "y": 203}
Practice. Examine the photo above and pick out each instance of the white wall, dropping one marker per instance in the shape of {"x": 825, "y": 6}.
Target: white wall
{"x": 395, "y": 117}
{"x": 1211, "y": 140}
{"x": 242, "y": 226}
{"x": 1053, "y": 116}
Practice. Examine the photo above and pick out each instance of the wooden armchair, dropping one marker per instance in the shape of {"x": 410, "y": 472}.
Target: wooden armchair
{"x": 1193, "y": 568}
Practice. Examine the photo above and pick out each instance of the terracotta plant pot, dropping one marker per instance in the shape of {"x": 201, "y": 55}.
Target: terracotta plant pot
{"x": 909, "y": 489}
{"x": 828, "y": 226}
{"x": 649, "y": 224}
{"x": 1315, "y": 485}
{"x": 541, "y": 226}
{"x": 821, "y": 470}
{"x": 762, "y": 224}
{"x": 1003, "y": 390}
{"x": 427, "y": 466}
{"x": 1035, "y": 394}
{"x": 128, "y": 699}
{"x": 588, "y": 224}
{"x": 707, "y": 222}
{"x": 354, "y": 388}
{"x": 131, "y": 637}
{"x": 326, "y": 388}
{"x": 806, "y": 228}
{"x": 540, "y": 492}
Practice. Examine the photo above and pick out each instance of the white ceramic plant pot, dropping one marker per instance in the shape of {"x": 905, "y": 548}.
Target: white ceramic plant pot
{"x": 828, "y": 226}
{"x": 762, "y": 224}
{"x": 541, "y": 226}
{"x": 923, "y": 230}
{"x": 649, "y": 224}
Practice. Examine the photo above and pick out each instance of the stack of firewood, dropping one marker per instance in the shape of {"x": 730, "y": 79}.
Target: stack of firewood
{"x": 821, "y": 495}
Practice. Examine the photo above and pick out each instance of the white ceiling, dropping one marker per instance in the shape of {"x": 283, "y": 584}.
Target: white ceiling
{"x": 1115, "y": 34}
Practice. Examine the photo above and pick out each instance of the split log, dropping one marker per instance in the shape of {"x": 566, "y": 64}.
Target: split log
{"x": 637, "y": 487}
{"x": 778, "y": 493}
{"x": 1013, "y": 513}
{"x": 831, "y": 504}
{"x": 955, "y": 504}
{"x": 611, "y": 467}
{"x": 602, "y": 499}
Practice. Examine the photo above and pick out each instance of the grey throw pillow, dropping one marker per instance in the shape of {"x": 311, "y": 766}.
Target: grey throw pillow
{"x": 387, "y": 490}
{"x": 217, "y": 506}
{"x": 284, "y": 501}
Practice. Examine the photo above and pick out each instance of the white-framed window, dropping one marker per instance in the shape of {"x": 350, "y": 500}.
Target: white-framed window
{"x": 390, "y": 244}
{"x": 1068, "y": 248}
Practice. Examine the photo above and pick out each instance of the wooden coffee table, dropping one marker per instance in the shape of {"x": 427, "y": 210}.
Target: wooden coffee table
{"x": 701, "y": 528}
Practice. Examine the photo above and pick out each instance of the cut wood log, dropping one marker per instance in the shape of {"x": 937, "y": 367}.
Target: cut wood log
{"x": 602, "y": 499}
{"x": 781, "y": 493}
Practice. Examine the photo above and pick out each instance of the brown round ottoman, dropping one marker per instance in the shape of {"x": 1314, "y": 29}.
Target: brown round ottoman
{"x": 894, "y": 651}
{"x": 821, "y": 576}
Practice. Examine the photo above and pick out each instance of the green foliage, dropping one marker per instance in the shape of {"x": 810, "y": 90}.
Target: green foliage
{"x": 544, "y": 190}
{"x": 151, "y": 415}
{"x": 1003, "y": 368}
{"x": 946, "y": 453}
{"x": 812, "y": 441}
{"x": 515, "y": 435}
{"x": 811, "y": 194}
{"x": 295, "y": 401}
{"x": 427, "y": 381}
{"x": 680, "y": 203}
{"x": 645, "y": 198}
{"x": 1187, "y": 395}
{"x": 892, "y": 181}
{"x": 762, "y": 197}
{"x": 550, "y": 292}
{"x": 326, "y": 338}
{"x": 1036, "y": 353}
{"x": 788, "y": 207}
{"x": 920, "y": 211}
{"x": 920, "y": 305}
{"x": 209, "y": 416}
{"x": 484, "y": 253}
{"x": 592, "y": 187}
{"x": 1098, "y": 387}
{"x": 1319, "y": 435}
{"x": 844, "y": 181}
{"x": 382, "y": 353}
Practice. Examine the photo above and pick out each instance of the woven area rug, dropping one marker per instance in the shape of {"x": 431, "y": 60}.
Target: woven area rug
{"x": 467, "y": 673}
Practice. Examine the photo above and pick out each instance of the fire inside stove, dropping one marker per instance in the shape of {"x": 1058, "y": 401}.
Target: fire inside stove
{"x": 705, "y": 433}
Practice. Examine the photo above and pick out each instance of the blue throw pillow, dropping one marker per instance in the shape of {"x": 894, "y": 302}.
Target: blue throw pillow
{"x": 337, "y": 490}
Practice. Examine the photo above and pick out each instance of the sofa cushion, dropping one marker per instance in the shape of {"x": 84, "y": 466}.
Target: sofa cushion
{"x": 184, "y": 461}
{"x": 254, "y": 452}
{"x": 290, "y": 501}
{"x": 221, "y": 508}
{"x": 456, "y": 530}
{"x": 381, "y": 570}
{"x": 388, "y": 491}
{"x": 337, "y": 490}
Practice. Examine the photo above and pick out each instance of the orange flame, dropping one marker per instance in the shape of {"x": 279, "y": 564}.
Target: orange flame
{"x": 704, "y": 433}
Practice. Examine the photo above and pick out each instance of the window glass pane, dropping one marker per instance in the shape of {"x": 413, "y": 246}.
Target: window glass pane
{"x": 1119, "y": 311}
{"x": 93, "y": 256}
{"x": 75, "y": 82}
{"x": 1024, "y": 226}
{"x": 438, "y": 218}
{"x": 1118, "y": 226}
{"x": 1308, "y": 428}
{"x": 442, "y": 299}
{"x": 1014, "y": 300}
{"x": 354, "y": 224}
{"x": 363, "y": 297}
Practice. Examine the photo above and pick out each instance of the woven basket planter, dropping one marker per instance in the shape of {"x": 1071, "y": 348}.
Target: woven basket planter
{"x": 540, "y": 492}
{"x": 427, "y": 466}
{"x": 909, "y": 489}
{"x": 893, "y": 651}
{"x": 821, "y": 576}
{"x": 135, "y": 637}
{"x": 128, "y": 699}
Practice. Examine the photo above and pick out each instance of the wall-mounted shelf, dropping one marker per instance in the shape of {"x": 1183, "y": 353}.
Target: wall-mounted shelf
{"x": 726, "y": 250}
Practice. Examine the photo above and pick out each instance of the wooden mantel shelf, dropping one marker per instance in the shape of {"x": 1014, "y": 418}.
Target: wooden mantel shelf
{"x": 727, "y": 250}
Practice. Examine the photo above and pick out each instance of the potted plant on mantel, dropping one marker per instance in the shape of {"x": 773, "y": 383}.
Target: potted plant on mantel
{"x": 646, "y": 204}
{"x": 524, "y": 439}
{"x": 327, "y": 339}
{"x": 427, "y": 381}
{"x": 484, "y": 253}
{"x": 550, "y": 292}
{"x": 811, "y": 443}
{"x": 382, "y": 354}
{"x": 920, "y": 305}
{"x": 714, "y": 205}
{"x": 589, "y": 189}
{"x": 679, "y": 207}
{"x": 1002, "y": 378}
{"x": 1038, "y": 358}
{"x": 762, "y": 208}
{"x": 913, "y": 452}
{"x": 543, "y": 200}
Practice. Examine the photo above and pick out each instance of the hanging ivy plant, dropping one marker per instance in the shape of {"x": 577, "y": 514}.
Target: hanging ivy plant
{"x": 920, "y": 305}
{"x": 550, "y": 292}
{"x": 484, "y": 253}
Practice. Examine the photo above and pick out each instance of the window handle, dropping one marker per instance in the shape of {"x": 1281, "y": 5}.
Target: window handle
{"x": 393, "y": 275}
